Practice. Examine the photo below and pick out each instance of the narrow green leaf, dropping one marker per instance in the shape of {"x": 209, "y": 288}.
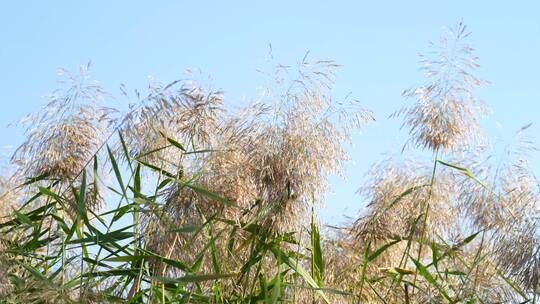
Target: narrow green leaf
{"x": 382, "y": 249}
{"x": 173, "y": 142}
{"x": 317, "y": 264}
{"x": 116, "y": 170}
{"x": 81, "y": 199}
{"x": 422, "y": 270}
{"x": 195, "y": 278}
{"x": 280, "y": 255}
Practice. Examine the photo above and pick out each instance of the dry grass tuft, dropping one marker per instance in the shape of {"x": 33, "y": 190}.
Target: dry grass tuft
{"x": 278, "y": 152}
{"x": 445, "y": 116}
{"x": 63, "y": 138}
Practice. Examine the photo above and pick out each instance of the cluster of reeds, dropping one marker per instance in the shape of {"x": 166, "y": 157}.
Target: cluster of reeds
{"x": 206, "y": 204}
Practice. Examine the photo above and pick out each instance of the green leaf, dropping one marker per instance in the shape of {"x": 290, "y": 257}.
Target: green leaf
{"x": 317, "y": 264}
{"x": 365, "y": 261}
{"x": 113, "y": 273}
{"x": 149, "y": 256}
{"x": 188, "y": 229}
{"x": 48, "y": 192}
{"x": 173, "y": 142}
{"x": 81, "y": 199}
{"x": 280, "y": 255}
{"x": 195, "y": 278}
{"x": 469, "y": 238}
{"x": 116, "y": 170}
{"x": 23, "y": 218}
{"x": 513, "y": 286}
{"x": 382, "y": 249}
{"x": 37, "y": 274}
{"x": 422, "y": 270}
{"x": 211, "y": 195}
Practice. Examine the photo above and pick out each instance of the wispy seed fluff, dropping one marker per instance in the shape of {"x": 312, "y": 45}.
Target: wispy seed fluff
{"x": 181, "y": 110}
{"x": 445, "y": 116}
{"x": 63, "y": 137}
{"x": 9, "y": 200}
{"x": 395, "y": 193}
{"x": 273, "y": 155}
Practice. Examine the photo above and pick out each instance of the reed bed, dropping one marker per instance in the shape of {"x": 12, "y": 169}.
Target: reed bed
{"x": 183, "y": 200}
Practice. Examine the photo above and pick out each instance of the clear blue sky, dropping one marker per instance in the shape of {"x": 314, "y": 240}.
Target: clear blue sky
{"x": 376, "y": 41}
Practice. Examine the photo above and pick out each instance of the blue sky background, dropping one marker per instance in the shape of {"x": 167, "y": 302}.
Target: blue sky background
{"x": 376, "y": 41}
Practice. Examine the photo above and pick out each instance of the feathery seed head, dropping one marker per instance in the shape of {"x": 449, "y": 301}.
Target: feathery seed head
{"x": 445, "y": 115}
{"x": 63, "y": 137}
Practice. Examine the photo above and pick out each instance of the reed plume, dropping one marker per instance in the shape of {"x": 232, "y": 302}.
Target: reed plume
{"x": 445, "y": 115}
{"x": 63, "y": 137}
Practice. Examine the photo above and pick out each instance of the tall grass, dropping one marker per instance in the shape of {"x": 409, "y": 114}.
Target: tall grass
{"x": 182, "y": 200}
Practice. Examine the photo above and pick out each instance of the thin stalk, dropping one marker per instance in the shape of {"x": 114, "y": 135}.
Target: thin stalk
{"x": 428, "y": 205}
